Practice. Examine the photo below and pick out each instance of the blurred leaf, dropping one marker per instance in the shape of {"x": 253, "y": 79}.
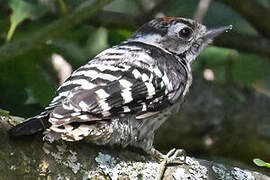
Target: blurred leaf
{"x": 220, "y": 14}
{"x": 23, "y": 79}
{"x": 71, "y": 50}
{"x": 77, "y": 49}
{"x": 216, "y": 55}
{"x": 97, "y": 41}
{"x": 248, "y": 68}
{"x": 41, "y": 89}
{"x": 183, "y": 8}
{"x": 20, "y": 11}
{"x": 4, "y": 112}
{"x": 261, "y": 163}
{"x": 116, "y": 36}
{"x": 217, "y": 59}
{"x": 63, "y": 6}
{"x": 265, "y": 3}
{"x": 244, "y": 69}
{"x": 123, "y": 6}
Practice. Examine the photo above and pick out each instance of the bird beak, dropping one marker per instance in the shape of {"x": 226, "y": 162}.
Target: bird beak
{"x": 212, "y": 33}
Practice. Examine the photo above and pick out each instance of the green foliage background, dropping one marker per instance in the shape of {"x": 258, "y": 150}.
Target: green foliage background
{"x": 28, "y": 81}
{"x": 29, "y": 37}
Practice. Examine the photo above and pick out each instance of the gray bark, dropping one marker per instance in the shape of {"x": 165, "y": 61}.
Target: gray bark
{"x": 31, "y": 158}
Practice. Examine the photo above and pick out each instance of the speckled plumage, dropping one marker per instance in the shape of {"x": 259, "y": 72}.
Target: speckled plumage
{"x": 135, "y": 122}
{"x": 126, "y": 92}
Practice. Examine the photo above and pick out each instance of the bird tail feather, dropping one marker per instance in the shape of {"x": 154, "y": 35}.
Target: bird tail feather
{"x": 29, "y": 127}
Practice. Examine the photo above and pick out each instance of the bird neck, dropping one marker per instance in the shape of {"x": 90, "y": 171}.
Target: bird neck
{"x": 150, "y": 39}
{"x": 153, "y": 40}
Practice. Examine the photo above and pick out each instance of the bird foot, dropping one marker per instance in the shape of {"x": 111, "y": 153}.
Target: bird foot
{"x": 177, "y": 156}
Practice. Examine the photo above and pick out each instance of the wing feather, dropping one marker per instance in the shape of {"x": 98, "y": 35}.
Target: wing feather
{"x": 128, "y": 95}
{"x": 130, "y": 83}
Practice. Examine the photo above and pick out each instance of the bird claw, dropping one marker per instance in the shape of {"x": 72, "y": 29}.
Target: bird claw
{"x": 174, "y": 156}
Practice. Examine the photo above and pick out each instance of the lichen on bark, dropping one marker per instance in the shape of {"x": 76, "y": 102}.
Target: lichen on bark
{"x": 32, "y": 158}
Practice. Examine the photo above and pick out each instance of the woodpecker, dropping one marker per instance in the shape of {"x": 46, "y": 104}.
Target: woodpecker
{"x": 126, "y": 92}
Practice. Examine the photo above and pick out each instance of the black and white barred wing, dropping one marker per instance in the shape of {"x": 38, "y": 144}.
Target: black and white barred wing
{"x": 121, "y": 81}
{"x": 139, "y": 92}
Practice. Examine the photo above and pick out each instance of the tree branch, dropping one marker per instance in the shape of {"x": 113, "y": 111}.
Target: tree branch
{"x": 30, "y": 158}
{"x": 254, "y": 12}
{"x": 201, "y": 10}
{"x": 246, "y": 43}
{"x": 85, "y": 10}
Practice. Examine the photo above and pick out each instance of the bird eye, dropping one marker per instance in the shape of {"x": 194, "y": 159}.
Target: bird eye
{"x": 185, "y": 33}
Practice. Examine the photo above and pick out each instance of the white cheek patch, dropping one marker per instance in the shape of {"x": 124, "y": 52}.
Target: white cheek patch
{"x": 149, "y": 38}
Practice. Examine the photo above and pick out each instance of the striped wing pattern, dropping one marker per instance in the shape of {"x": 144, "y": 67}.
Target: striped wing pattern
{"x": 108, "y": 87}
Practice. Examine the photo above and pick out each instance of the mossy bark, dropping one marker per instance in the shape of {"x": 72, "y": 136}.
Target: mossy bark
{"x": 32, "y": 158}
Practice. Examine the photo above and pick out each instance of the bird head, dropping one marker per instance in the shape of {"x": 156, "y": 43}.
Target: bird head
{"x": 182, "y": 37}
